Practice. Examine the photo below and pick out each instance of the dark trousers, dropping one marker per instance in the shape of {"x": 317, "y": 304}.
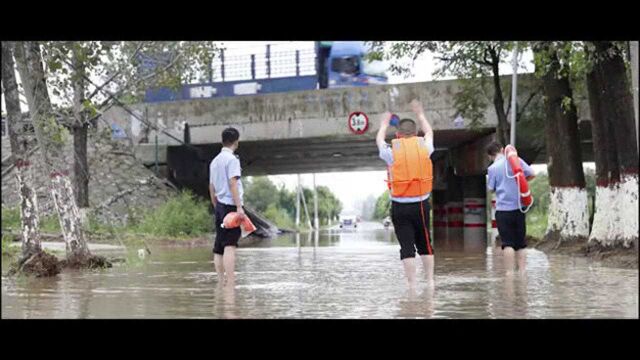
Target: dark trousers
{"x": 224, "y": 237}
{"x": 512, "y": 229}
{"x": 411, "y": 229}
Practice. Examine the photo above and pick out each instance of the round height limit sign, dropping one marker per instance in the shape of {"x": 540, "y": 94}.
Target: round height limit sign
{"x": 358, "y": 122}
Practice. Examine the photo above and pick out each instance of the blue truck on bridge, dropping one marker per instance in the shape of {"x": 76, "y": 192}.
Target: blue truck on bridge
{"x": 331, "y": 64}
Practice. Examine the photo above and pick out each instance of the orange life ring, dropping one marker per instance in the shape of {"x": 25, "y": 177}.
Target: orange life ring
{"x": 523, "y": 186}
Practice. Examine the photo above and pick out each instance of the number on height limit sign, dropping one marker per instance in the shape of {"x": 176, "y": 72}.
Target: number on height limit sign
{"x": 358, "y": 122}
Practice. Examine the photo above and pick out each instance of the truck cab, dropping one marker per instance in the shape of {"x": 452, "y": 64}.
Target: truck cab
{"x": 347, "y": 66}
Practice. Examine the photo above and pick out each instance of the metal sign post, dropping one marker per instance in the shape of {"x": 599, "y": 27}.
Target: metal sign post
{"x": 514, "y": 93}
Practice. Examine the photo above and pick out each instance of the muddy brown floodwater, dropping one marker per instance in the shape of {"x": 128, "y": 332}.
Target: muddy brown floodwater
{"x": 350, "y": 274}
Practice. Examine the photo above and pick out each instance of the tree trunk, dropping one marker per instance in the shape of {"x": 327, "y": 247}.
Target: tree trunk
{"x": 50, "y": 136}
{"x": 23, "y": 169}
{"x": 80, "y": 129}
{"x": 81, "y": 168}
{"x": 568, "y": 209}
{"x": 503, "y": 129}
{"x": 616, "y": 217}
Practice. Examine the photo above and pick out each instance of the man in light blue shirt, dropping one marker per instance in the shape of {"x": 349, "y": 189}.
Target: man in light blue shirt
{"x": 510, "y": 220}
{"x": 225, "y": 189}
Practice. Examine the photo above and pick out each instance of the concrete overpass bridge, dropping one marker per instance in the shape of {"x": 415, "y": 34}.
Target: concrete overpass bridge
{"x": 307, "y": 132}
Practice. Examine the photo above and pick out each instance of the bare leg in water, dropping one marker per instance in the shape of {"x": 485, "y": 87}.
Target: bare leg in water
{"x": 509, "y": 259}
{"x": 410, "y": 271}
{"x": 521, "y": 256}
{"x": 217, "y": 261}
{"x": 229, "y": 261}
{"x": 428, "y": 263}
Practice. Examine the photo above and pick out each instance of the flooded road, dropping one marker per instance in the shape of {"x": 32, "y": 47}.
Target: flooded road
{"x": 336, "y": 274}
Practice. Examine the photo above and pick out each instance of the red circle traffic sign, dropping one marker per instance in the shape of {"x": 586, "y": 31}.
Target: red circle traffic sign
{"x": 358, "y": 122}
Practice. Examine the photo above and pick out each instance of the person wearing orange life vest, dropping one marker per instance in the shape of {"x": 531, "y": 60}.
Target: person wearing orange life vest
{"x": 410, "y": 183}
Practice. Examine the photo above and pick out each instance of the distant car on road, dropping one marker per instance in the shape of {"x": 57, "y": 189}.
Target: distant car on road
{"x": 347, "y": 221}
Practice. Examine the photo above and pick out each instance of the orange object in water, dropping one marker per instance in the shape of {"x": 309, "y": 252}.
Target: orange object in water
{"x": 232, "y": 220}
{"x": 523, "y": 187}
{"x": 412, "y": 171}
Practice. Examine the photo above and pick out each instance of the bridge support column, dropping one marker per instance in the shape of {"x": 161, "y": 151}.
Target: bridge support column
{"x": 454, "y": 207}
{"x": 475, "y": 212}
{"x": 316, "y": 220}
{"x": 439, "y": 202}
{"x": 298, "y": 203}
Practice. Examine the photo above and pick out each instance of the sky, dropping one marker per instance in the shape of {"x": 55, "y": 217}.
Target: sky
{"x": 352, "y": 187}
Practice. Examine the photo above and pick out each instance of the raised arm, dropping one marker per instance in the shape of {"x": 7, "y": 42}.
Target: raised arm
{"x": 417, "y": 108}
{"x": 382, "y": 132}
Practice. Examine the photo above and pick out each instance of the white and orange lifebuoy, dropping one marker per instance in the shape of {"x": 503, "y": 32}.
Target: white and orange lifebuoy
{"x": 526, "y": 200}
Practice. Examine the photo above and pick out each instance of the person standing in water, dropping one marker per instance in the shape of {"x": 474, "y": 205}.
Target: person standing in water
{"x": 410, "y": 182}
{"x": 509, "y": 217}
{"x": 225, "y": 189}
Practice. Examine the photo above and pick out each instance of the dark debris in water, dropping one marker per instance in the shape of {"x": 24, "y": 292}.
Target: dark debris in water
{"x": 91, "y": 262}
{"x": 40, "y": 264}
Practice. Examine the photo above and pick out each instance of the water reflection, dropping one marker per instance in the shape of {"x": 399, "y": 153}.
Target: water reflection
{"x": 330, "y": 274}
{"x": 225, "y": 306}
{"x": 417, "y": 303}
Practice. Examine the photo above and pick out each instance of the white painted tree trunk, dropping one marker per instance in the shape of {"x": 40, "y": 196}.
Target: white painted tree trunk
{"x": 23, "y": 170}
{"x": 69, "y": 216}
{"x": 28, "y": 210}
{"x": 568, "y": 213}
{"x": 49, "y": 134}
{"x": 616, "y": 219}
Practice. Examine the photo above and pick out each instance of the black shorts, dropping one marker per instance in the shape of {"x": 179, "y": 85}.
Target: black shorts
{"x": 224, "y": 237}
{"x": 410, "y": 228}
{"x": 512, "y": 229}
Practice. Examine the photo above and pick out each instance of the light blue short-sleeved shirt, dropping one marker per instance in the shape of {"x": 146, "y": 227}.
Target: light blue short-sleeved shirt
{"x": 386, "y": 154}
{"x": 223, "y": 168}
{"x": 507, "y": 192}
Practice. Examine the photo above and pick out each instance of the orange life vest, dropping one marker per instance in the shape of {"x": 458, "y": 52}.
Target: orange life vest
{"x": 411, "y": 174}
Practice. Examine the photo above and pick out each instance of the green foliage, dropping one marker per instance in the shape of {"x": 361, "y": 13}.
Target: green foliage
{"x": 10, "y": 218}
{"x": 181, "y": 215}
{"x": 473, "y": 62}
{"x": 50, "y": 224}
{"x": 469, "y": 104}
{"x": 539, "y": 188}
{"x": 70, "y": 63}
{"x": 383, "y": 206}
{"x": 260, "y": 192}
{"x": 96, "y": 226}
{"x": 537, "y": 216}
{"x": 279, "y": 205}
{"x": 566, "y": 104}
{"x": 7, "y": 249}
{"x": 572, "y": 60}
{"x": 279, "y": 216}
{"x": 90, "y": 107}
{"x": 536, "y": 224}
{"x": 329, "y": 207}
{"x": 53, "y": 130}
{"x": 287, "y": 201}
